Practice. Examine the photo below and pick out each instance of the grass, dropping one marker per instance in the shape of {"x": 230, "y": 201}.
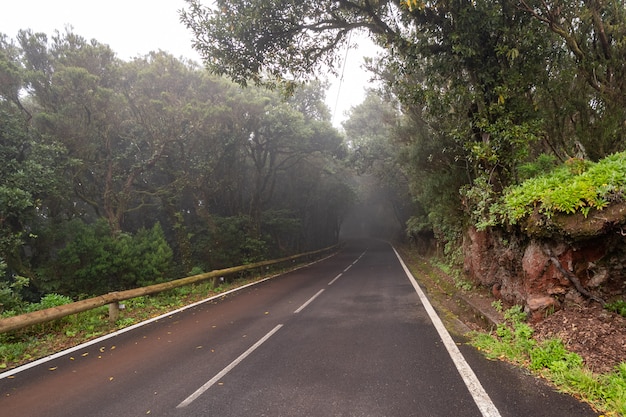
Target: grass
{"x": 459, "y": 282}
{"x": 512, "y": 341}
{"x": 618, "y": 307}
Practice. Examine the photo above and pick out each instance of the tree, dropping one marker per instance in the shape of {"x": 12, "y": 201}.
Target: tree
{"x": 117, "y": 120}
{"x": 594, "y": 32}
{"x": 453, "y": 66}
{"x": 372, "y": 136}
{"x": 485, "y": 59}
{"x": 263, "y": 41}
{"x": 32, "y": 169}
{"x": 96, "y": 151}
{"x": 71, "y": 85}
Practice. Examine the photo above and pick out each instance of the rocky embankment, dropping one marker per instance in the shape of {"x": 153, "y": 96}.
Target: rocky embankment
{"x": 544, "y": 263}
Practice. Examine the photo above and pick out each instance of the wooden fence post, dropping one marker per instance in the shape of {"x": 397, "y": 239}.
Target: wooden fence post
{"x": 114, "y": 311}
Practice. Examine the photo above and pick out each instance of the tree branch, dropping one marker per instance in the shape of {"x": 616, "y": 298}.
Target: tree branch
{"x": 573, "y": 278}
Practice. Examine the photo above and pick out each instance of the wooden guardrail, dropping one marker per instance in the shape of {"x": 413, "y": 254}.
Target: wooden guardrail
{"x": 113, "y": 298}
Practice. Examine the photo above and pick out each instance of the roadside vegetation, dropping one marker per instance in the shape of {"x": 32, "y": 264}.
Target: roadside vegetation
{"x": 21, "y": 346}
{"x": 576, "y": 186}
{"x": 512, "y": 341}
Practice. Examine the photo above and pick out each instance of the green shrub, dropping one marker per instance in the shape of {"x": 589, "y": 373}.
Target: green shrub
{"x": 95, "y": 261}
{"x": 551, "y": 354}
{"x": 541, "y": 166}
{"x": 577, "y": 186}
{"x": 618, "y": 307}
{"x": 10, "y": 292}
{"x": 49, "y": 301}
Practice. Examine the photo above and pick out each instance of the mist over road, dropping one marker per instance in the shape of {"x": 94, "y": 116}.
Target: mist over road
{"x": 347, "y": 336}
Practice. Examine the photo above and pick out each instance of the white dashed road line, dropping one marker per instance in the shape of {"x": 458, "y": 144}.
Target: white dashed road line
{"x": 302, "y": 307}
{"x": 226, "y": 370}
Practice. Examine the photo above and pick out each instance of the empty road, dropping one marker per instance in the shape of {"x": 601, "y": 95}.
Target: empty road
{"x": 347, "y": 336}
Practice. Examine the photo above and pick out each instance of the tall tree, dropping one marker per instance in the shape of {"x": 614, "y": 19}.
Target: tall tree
{"x": 372, "y": 132}
{"x": 594, "y": 32}
{"x": 32, "y": 169}
{"x": 486, "y": 85}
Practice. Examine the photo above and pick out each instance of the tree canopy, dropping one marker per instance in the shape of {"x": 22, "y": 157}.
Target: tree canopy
{"x": 118, "y": 173}
{"x": 485, "y": 87}
{"x": 477, "y": 96}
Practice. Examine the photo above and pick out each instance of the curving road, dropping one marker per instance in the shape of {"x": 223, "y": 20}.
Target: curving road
{"x": 347, "y": 336}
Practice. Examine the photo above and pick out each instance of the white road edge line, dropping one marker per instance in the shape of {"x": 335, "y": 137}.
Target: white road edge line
{"x": 309, "y": 302}
{"x": 226, "y": 370}
{"x": 335, "y": 279}
{"x": 100, "y": 339}
{"x": 480, "y": 396}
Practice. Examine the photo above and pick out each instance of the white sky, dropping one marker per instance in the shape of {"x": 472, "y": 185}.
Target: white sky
{"x": 136, "y": 27}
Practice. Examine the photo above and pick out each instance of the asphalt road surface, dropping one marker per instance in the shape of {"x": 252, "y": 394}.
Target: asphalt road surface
{"x": 346, "y": 336}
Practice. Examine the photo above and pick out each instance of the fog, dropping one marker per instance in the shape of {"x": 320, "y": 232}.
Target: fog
{"x": 373, "y": 215}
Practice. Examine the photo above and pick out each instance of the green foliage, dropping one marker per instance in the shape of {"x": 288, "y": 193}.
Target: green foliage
{"x": 280, "y": 225}
{"x": 12, "y": 351}
{"x": 30, "y": 170}
{"x": 540, "y": 166}
{"x": 512, "y": 341}
{"x": 451, "y": 270}
{"x": 96, "y": 261}
{"x": 417, "y": 224}
{"x": 497, "y": 305}
{"x": 49, "y": 301}
{"x": 232, "y": 242}
{"x": 515, "y": 315}
{"x": 618, "y": 306}
{"x": 481, "y": 200}
{"x": 196, "y": 270}
{"x": 125, "y": 322}
{"x": 574, "y": 187}
{"x": 551, "y": 354}
{"x": 144, "y": 258}
{"x": 10, "y": 292}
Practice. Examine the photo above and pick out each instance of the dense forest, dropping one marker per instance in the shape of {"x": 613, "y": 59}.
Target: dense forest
{"x": 486, "y": 109}
{"x": 479, "y": 95}
{"x": 117, "y": 174}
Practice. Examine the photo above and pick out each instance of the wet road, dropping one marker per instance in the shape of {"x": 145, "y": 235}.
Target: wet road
{"x": 347, "y": 336}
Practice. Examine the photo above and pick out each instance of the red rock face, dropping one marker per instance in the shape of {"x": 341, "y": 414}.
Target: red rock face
{"x": 478, "y": 249}
{"x": 519, "y": 269}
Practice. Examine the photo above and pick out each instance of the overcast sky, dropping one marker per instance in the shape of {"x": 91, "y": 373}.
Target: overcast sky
{"x": 136, "y": 27}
